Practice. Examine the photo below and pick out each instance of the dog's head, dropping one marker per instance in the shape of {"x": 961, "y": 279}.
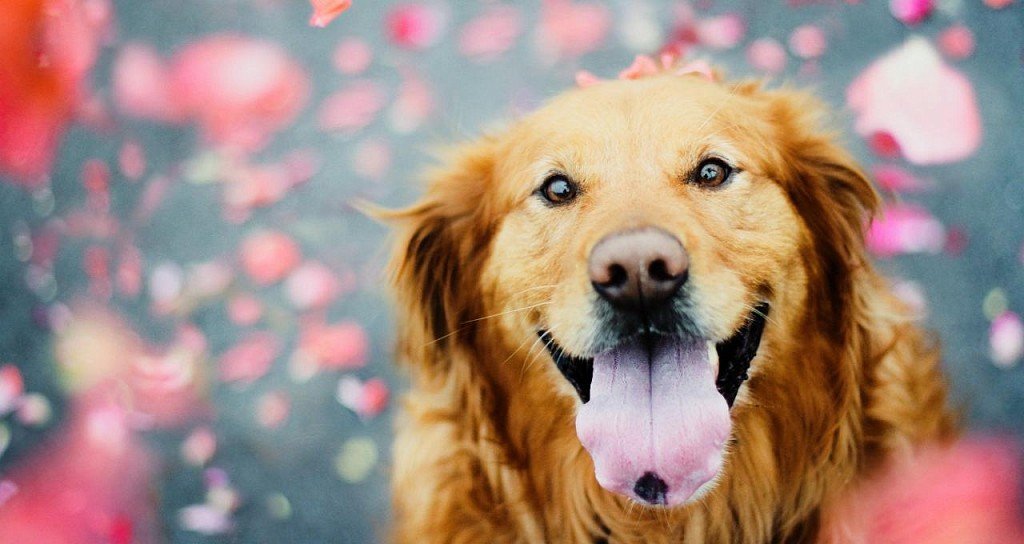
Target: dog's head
{"x": 660, "y": 239}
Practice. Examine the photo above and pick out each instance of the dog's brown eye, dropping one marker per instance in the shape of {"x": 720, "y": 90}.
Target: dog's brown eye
{"x": 712, "y": 173}
{"x": 558, "y": 189}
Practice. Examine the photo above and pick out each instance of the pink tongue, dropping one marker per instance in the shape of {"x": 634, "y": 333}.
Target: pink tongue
{"x": 655, "y": 424}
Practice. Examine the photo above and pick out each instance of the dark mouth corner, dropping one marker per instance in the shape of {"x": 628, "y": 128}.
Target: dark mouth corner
{"x": 578, "y": 370}
{"x": 736, "y": 353}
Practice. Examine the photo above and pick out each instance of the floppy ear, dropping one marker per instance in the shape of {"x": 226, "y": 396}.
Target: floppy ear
{"x": 439, "y": 252}
{"x": 831, "y": 194}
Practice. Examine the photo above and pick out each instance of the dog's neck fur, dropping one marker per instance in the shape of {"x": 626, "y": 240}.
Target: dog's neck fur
{"x": 490, "y": 451}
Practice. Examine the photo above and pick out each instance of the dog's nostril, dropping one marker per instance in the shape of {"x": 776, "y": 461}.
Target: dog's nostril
{"x": 617, "y": 276}
{"x": 658, "y": 271}
{"x": 651, "y": 488}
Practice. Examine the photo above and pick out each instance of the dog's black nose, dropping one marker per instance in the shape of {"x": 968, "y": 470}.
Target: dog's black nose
{"x": 638, "y": 268}
{"x": 651, "y": 488}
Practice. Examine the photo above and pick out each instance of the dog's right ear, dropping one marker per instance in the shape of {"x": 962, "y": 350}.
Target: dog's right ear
{"x": 441, "y": 246}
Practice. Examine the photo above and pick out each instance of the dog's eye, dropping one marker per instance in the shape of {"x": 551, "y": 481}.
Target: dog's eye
{"x": 712, "y": 173}
{"x": 557, "y": 189}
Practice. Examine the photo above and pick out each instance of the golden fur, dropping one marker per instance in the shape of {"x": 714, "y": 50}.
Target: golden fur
{"x": 486, "y": 449}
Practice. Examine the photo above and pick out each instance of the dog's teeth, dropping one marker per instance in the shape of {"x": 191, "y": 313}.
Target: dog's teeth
{"x": 713, "y": 358}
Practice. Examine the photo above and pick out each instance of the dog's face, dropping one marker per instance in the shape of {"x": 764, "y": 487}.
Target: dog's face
{"x": 654, "y": 236}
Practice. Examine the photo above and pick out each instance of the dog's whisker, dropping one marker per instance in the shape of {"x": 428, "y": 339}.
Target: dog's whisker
{"x": 507, "y": 312}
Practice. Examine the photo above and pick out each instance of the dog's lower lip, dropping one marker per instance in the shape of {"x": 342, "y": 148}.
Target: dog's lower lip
{"x": 734, "y": 357}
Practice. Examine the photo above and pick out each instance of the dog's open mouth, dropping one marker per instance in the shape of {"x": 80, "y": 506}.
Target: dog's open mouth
{"x": 655, "y": 415}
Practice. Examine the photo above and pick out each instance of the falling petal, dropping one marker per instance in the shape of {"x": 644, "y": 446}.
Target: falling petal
{"x": 325, "y": 11}
{"x": 34, "y": 410}
{"x": 199, "y": 447}
{"x": 927, "y": 108}
{"x": 767, "y": 55}
{"x": 273, "y": 409}
{"x": 490, "y": 34}
{"x": 353, "y": 107}
{"x": 896, "y": 179}
{"x": 722, "y": 32}
{"x": 250, "y": 358}
{"x": 957, "y": 42}
{"x": 1006, "y": 339}
{"x": 808, "y": 42}
{"x": 352, "y": 56}
{"x": 343, "y": 346}
{"x": 244, "y": 309}
{"x": 414, "y": 25}
{"x": 12, "y": 387}
{"x": 268, "y": 256}
{"x": 905, "y": 228}
{"x": 311, "y": 285}
{"x": 911, "y": 12}
{"x": 570, "y": 29}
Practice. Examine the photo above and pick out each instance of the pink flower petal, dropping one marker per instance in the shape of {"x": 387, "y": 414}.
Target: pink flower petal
{"x": 366, "y": 399}
{"x": 642, "y": 66}
{"x": 267, "y": 257}
{"x": 957, "y": 42}
{"x": 142, "y": 85}
{"x": 273, "y": 409}
{"x": 244, "y": 310}
{"x": 414, "y": 25}
{"x": 911, "y": 12}
{"x": 585, "y": 79}
{"x": 12, "y": 387}
{"x": 896, "y": 179}
{"x": 240, "y": 90}
{"x": 132, "y": 160}
{"x": 352, "y": 56}
{"x": 722, "y": 32}
{"x": 325, "y": 11}
{"x": 569, "y": 29}
{"x": 353, "y": 107}
{"x": 1006, "y": 339}
{"x": 344, "y": 345}
{"x": 413, "y": 105}
{"x": 998, "y": 4}
{"x": 199, "y": 447}
{"x": 928, "y": 108}
{"x": 808, "y": 42}
{"x": 767, "y": 55}
{"x": 250, "y": 358}
{"x": 311, "y": 285}
{"x": 490, "y": 34}
{"x": 905, "y": 228}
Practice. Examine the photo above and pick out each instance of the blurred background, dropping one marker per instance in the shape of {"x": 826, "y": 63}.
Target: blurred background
{"x": 196, "y": 342}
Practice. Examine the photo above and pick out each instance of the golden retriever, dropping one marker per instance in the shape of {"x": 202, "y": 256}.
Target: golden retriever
{"x": 644, "y": 313}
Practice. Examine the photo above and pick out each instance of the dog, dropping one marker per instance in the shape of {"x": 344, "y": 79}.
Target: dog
{"x": 644, "y": 313}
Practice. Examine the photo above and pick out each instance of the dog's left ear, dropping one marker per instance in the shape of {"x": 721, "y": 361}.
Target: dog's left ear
{"x": 828, "y": 189}
{"x": 439, "y": 252}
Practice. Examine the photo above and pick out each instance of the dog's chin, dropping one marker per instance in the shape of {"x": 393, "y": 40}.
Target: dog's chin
{"x": 655, "y": 412}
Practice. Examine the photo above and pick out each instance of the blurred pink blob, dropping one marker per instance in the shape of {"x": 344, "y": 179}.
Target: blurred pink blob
{"x": 371, "y": 158}
{"x": 352, "y": 56}
{"x": 413, "y": 105}
{"x": 414, "y": 25}
{"x": 244, "y": 309}
{"x": 957, "y": 42}
{"x": 132, "y": 160}
{"x": 343, "y": 345}
{"x": 898, "y": 180}
{"x": 569, "y": 29}
{"x": 998, "y": 4}
{"x": 273, "y": 409}
{"x": 965, "y": 494}
{"x": 12, "y": 387}
{"x": 325, "y": 11}
{"x": 367, "y": 399}
{"x": 89, "y": 484}
{"x": 767, "y": 55}
{"x": 722, "y": 32}
{"x": 490, "y": 34}
{"x": 199, "y": 446}
{"x": 1006, "y": 339}
{"x": 926, "y": 107}
{"x": 250, "y": 358}
{"x": 240, "y": 90}
{"x": 808, "y": 42}
{"x": 47, "y": 48}
{"x": 911, "y": 12}
{"x": 311, "y": 285}
{"x": 353, "y": 107}
{"x": 905, "y": 228}
{"x": 268, "y": 256}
